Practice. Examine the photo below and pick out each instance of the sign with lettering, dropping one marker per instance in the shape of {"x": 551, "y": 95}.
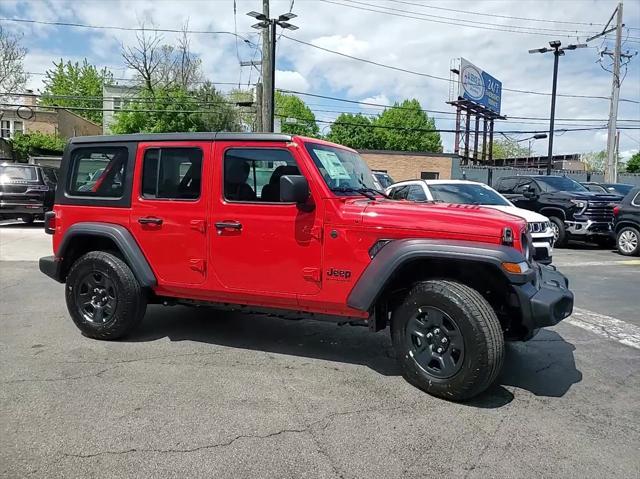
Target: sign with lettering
{"x": 479, "y": 87}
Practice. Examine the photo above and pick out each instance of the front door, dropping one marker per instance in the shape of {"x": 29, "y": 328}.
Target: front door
{"x": 168, "y": 209}
{"x": 260, "y": 244}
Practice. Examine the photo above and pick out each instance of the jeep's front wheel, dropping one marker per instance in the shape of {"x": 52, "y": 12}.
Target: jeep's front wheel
{"x": 103, "y": 296}
{"x": 448, "y": 340}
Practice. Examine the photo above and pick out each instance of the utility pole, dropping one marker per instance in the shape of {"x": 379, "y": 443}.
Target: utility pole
{"x": 267, "y": 76}
{"x": 557, "y": 53}
{"x": 268, "y": 26}
{"x": 610, "y": 174}
{"x": 259, "y": 108}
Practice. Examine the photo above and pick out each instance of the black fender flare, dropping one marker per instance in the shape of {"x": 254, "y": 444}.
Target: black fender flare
{"x": 547, "y": 210}
{"x": 396, "y": 253}
{"x": 123, "y": 240}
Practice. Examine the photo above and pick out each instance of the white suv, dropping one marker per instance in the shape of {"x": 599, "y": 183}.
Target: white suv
{"x": 472, "y": 193}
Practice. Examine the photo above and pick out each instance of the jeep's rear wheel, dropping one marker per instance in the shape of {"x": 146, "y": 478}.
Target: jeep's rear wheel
{"x": 103, "y": 296}
{"x": 448, "y": 340}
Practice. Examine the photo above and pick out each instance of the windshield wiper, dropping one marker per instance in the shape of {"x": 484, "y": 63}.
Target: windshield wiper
{"x": 371, "y": 190}
{"x": 363, "y": 191}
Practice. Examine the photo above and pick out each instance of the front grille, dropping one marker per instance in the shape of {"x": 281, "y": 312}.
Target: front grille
{"x": 12, "y": 189}
{"x": 538, "y": 226}
{"x": 601, "y": 211}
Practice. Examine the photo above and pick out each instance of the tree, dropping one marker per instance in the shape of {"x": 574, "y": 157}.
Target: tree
{"x": 595, "y": 160}
{"x": 163, "y": 65}
{"x": 177, "y": 110}
{"x": 508, "y": 149}
{"x": 76, "y": 85}
{"x": 296, "y": 118}
{"x": 406, "y": 127}
{"x": 633, "y": 165}
{"x": 12, "y": 75}
{"x": 355, "y": 131}
{"x": 25, "y": 144}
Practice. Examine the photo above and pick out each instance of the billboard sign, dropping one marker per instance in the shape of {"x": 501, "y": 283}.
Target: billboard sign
{"x": 479, "y": 87}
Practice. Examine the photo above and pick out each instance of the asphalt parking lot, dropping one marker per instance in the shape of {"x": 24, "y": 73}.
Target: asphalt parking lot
{"x": 199, "y": 393}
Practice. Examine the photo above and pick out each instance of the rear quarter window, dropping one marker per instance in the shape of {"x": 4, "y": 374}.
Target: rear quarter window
{"x": 98, "y": 172}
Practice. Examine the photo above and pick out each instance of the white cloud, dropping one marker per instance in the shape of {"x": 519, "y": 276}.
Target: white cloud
{"x": 288, "y": 80}
{"x": 380, "y": 99}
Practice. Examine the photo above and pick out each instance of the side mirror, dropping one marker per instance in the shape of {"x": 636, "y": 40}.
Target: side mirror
{"x": 294, "y": 189}
{"x": 529, "y": 193}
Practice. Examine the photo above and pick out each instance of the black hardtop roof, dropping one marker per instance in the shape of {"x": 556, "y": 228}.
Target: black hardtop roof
{"x": 198, "y": 136}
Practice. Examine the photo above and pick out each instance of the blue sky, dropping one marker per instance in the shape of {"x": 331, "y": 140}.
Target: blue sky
{"x": 424, "y": 44}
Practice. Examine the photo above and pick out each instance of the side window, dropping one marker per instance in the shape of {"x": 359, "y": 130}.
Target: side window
{"x": 49, "y": 176}
{"x": 522, "y": 185}
{"x": 98, "y": 172}
{"x": 636, "y": 200}
{"x": 253, "y": 174}
{"x": 507, "y": 185}
{"x": 172, "y": 173}
{"x": 400, "y": 193}
{"x": 416, "y": 193}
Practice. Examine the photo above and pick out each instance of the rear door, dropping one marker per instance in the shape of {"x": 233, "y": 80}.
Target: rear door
{"x": 168, "y": 209}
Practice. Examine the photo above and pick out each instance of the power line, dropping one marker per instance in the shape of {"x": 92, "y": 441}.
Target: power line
{"x": 134, "y": 79}
{"x": 117, "y": 110}
{"x": 427, "y": 75}
{"x": 387, "y": 11}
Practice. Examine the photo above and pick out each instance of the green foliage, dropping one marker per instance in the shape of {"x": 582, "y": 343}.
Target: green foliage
{"x": 595, "y": 160}
{"x": 177, "y": 110}
{"x": 80, "y": 83}
{"x": 508, "y": 149}
{"x": 404, "y": 127}
{"x": 633, "y": 165}
{"x": 25, "y": 144}
{"x": 354, "y": 131}
{"x": 296, "y": 118}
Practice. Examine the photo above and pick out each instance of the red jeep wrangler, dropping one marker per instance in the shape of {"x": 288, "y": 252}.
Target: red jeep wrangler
{"x": 294, "y": 227}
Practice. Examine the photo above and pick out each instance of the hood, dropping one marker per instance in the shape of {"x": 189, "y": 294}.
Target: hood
{"x": 528, "y": 216}
{"x": 445, "y": 220}
{"x": 587, "y": 196}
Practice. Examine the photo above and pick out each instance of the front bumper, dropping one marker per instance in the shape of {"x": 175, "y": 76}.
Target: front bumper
{"x": 588, "y": 228}
{"x": 545, "y": 300}
{"x": 543, "y": 249}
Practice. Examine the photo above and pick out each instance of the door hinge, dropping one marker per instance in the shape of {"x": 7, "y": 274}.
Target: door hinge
{"x": 198, "y": 225}
{"x": 314, "y": 231}
{"x": 198, "y": 264}
{"x": 312, "y": 274}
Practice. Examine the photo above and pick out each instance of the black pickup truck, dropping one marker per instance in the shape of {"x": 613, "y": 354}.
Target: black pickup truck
{"x": 26, "y": 191}
{"x": 574, "y": 211}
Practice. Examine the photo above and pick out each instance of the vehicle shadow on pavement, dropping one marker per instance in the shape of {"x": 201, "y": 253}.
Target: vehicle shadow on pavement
{"x": 20, "y": 225}
{"x": 544, "y": 366}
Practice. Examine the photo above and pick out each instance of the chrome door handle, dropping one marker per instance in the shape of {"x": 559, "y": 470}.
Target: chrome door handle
{"x": 149, "y": 220}
{"x": 233, "y": 225}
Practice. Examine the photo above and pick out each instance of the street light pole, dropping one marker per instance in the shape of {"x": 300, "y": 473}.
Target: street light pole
{"x": 557, "y": 52}
{"x": 269, "y": 63}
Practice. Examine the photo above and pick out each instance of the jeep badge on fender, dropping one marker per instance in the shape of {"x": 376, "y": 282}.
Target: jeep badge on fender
{"x": 224, "y": 220}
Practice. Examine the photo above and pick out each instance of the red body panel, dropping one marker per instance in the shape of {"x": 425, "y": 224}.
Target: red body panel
{"x": 282, "y": 255}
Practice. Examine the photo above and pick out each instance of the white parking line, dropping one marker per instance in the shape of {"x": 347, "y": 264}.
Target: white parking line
{"x": 611, "y": 328}
{"x": 628, "y": 262}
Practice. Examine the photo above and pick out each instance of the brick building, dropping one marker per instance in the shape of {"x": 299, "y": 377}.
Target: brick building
{"x": 409, "y": 165}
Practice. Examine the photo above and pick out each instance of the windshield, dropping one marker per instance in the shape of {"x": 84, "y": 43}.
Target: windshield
{"x": 10, "y": 173}
{"x": 384, "y": 179}
{"x": 559, "y": 183}
{"x": 618, "y": 188}
{"x": 467, "y": 194}
{"x": 344, "y": 171}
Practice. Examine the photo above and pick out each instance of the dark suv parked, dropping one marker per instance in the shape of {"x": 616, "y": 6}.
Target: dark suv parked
{"x": 626, "y": 224}
{"x": 26, "y": 191}
{"x": 574, "y": 211}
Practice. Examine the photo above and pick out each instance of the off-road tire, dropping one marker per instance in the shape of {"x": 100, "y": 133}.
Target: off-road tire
{"x": 480, "y": 330}
{"x": 561, "y": 240}
{"x": 628, "y": 232}
{"x": 27, "y": 219}
{"x": 131, "y": 300}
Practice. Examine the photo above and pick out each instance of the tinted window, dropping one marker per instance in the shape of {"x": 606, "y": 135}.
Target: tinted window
{"x": 98, "y": 172}
{"x": 619, "y": 188}
{"x": 559, "y": 183}
{"x": 596, "y": 188}
{"x": 172, "y": 173}
{"x": 17, "y": 173}
{"x": 416, "y": 193}
{"x": 254, "y": 174}
{"x": 507, "y": 185}
{"x": 523, "y": 185}
{"x": 50, "y": 175}
{"x": 467, "y": 194}
{"x": 383, "y": 178}
{"x": 400, "y": 192}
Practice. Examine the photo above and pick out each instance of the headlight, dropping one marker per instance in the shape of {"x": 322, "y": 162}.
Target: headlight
{"x": 581, "y": 205}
